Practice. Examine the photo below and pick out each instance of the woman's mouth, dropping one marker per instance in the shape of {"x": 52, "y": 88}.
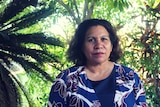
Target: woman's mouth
{"x": 98, "y": 54}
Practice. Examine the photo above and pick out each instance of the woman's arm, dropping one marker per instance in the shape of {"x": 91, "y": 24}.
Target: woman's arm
{"x": 140, "y": 94}
{"x": 58, "y": 94}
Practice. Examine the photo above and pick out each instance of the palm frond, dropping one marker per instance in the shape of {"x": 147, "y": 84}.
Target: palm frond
{"x": 24, "y": 49}
{"x": 9, "y": 94}
{"x": 15, "y": 7}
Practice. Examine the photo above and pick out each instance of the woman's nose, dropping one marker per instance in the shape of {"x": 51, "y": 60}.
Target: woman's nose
{"x": 98, "y": 44}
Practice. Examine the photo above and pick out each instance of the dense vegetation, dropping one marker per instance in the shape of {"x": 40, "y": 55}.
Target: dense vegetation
{"x": 32, "y": 53}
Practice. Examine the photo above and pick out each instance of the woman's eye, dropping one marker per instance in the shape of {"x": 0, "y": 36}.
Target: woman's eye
{"x": 103, "y": 39}
{"x": 91, "y": 40}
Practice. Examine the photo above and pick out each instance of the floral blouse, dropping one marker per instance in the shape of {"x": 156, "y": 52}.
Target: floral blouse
{"x": 72, "y": 88}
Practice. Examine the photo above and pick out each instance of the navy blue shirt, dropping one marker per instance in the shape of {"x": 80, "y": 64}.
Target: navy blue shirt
{"x": 105, "y": 90}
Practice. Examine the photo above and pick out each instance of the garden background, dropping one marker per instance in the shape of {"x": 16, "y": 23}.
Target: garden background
{"x": 34, "y": 36}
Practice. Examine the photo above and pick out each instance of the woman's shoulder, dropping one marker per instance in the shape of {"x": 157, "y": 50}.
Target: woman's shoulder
{"x": 125, "y": 71}
{"x": 123, "y": 67}
{"x": 71, "y": 70}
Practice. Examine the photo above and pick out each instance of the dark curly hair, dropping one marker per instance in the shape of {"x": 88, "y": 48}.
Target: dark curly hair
{"x": 75, "y": 53}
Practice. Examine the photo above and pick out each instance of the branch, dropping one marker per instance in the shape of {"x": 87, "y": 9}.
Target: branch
{"x": 76, "y": 7}
{"x": 71, "y": 12}
{"x": 87, "y": 12}
{"x": 90, "y": 11}
{"x": 85, "y": 9}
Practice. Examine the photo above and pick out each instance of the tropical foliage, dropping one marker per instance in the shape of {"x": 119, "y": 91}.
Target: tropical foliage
{"x": 143, "y": 51}
{"x": 29, "y": 48}
{"x": 31, "y": 56}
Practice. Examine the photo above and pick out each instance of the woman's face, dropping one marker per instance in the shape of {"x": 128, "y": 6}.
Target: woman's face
{"x": 97, "y": 45}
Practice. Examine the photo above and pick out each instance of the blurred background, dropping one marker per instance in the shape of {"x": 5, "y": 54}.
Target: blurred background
{"x": 34, "y": 36}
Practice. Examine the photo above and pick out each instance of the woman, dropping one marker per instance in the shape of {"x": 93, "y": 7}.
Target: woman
{"x": 96, "y": 80}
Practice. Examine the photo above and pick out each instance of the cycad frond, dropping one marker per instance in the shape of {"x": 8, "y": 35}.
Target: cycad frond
{"x": 28, "y": 50}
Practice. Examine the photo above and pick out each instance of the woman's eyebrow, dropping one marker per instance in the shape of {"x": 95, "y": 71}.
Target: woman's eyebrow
{"x": 106, "y": 36}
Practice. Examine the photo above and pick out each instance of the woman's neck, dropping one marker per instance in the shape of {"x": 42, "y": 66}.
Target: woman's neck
{"x": 99, "y": 71}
